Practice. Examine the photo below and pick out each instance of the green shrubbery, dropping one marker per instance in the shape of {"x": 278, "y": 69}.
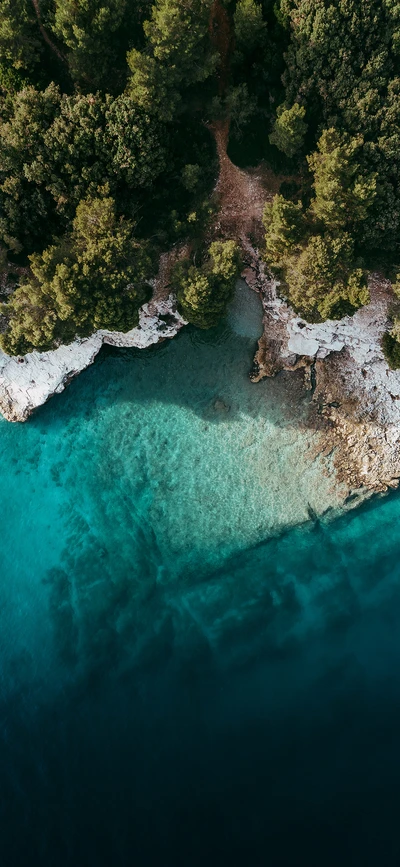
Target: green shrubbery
{"x": 391, "y": 338}
{"x": 94, "y": 278}
{"x": 314, "y": 248}
{"x": 391, "y": 349}
{"x": 203, "y": 291}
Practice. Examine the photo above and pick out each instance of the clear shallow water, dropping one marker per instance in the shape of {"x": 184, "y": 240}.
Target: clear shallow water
{"x": 181, "y": 681}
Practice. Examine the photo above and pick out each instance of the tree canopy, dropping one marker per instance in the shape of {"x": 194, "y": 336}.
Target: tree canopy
{"x": 113, "y": 101}
{"x": 204, "y": 291}
{"x": 93, "y": 278}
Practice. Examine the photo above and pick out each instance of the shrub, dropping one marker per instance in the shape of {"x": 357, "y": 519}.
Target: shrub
{"x": 289, "y": 129}
{"x": 391, "y": 350}
{"x": 203, "y": 292}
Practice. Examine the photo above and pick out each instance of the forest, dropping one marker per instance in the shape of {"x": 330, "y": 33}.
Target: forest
{"x": 107, "y": 156}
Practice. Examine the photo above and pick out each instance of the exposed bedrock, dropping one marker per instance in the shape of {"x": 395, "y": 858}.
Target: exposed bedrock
{"x": 355, "y": 396}
{"x": 355, "y": 405}
{"x": 27, "y": 382}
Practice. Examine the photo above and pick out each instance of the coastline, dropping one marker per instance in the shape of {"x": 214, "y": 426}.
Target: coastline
{"x": 355, "y": 406}
{"x": 29, "y": 381}
{"x": 355, "y": 395}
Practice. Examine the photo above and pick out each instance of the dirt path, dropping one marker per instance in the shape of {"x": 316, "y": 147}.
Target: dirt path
{"x": 242, "y": 194}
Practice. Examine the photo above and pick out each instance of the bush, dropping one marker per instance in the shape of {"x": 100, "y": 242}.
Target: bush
{"x": 203, "y": 292}
{"x": 391, "y": 350}
{"x": 289, "y": 129}
{"x": 92, "y": 279}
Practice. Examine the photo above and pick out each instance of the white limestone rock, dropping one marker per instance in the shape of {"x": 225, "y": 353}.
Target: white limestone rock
{"x": 356, "y": 397}
{"x": 27, "y": 382}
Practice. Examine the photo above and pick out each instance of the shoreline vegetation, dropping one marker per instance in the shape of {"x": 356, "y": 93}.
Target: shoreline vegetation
{"x": 113, "y": 116}
{"x": 233, "y": 134}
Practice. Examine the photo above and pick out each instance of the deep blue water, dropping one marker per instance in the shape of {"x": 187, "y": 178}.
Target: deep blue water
{"x": 191, "y": 672}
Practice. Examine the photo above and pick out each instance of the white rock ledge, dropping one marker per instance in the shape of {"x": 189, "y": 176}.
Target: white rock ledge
{"x": 27, "y": 382}
{"x": 358, "y": 337}
{"x": 355, "y": 405}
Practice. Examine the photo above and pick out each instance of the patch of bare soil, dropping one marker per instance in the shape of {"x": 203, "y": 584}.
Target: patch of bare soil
{"x": 222, "y": 38}
{"x": 161, "y": 284}
{"x": 242, "y": 194}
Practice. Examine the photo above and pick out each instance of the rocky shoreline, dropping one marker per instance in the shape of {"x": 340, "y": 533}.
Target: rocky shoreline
{"x": 27, "y": 382}
{"x": 355, "y": 406}
{"x": 355, "y": 403}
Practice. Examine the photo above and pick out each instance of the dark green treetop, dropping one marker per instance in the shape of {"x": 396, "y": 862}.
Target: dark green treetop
{"x": 94, "y": 278}
{"x": 203, "y": 291}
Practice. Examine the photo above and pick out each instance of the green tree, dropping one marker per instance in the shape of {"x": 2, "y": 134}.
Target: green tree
{"x": 289, "y": 129}
{"x": 249, "y": 26}
{"x": 20, "y": 42}
{"x": 323, "y": 282}
{"x": 25, "y": 207}
{"x": 315, "y": 249}
{"x": 342, "y": 64}
{"x": 56, "y": 150}
{"x": 152, "y": 86}
{"x": 95, "y": 278}
{"x": 178, "y": 54}
{"x": 90, "y": 29}
{"x": 203, "y": 292}
{"x": 343, "y": 193}
{"x": 178, "y": 35}
{"x": 137, "y": 145}
{"x": 285, "y": 227}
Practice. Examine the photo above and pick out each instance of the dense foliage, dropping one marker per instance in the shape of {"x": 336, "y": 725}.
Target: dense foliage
{"x": 105, "y": 108}
{"x": 56, "y": 149}
{"x": 93, "y": 278}
{"x": 313, "y": 247}
{"x": 98, "y": 104}
{"x": 342, "y": 67}
{"x": 204, "y": 291}
{"x": 341, "y": 73}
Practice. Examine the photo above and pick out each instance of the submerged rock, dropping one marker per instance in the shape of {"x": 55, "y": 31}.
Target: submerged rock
{"x": 220, "y": 405}
{"x": 27, "y": 382}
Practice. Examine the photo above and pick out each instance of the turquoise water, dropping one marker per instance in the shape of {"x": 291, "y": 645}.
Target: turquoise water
{"x": 192, "y": 671}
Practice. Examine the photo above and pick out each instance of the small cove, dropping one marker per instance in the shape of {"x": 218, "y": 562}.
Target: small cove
{"x": 154, "y": 467}
{"x": 175, "y": 641}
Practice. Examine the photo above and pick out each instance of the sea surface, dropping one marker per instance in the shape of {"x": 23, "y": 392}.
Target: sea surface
{"x": 194, "y": 668}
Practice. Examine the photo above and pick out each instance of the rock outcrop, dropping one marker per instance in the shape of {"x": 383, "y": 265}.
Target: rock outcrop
{"x": 355, "y": 396}
{"x": 355, "y": 406}
{"x": 27, "y": 382}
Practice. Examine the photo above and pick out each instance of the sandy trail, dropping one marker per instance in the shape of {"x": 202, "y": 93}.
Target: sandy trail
{"x": 242, "y": 194}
